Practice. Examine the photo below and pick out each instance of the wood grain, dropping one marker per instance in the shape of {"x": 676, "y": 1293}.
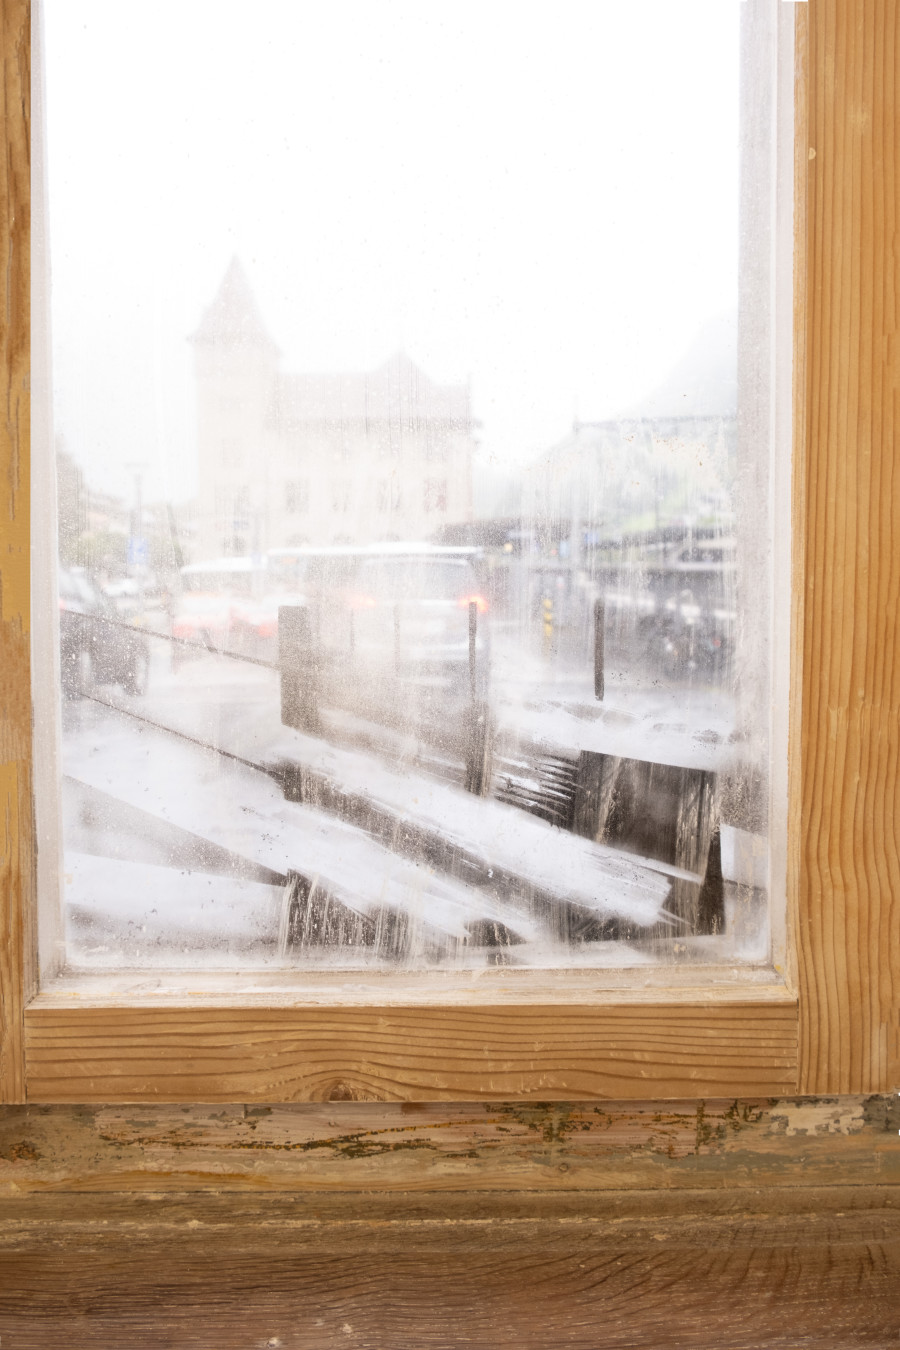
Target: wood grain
{"x": 709, "y": 1155}
{"x": 795, "y": 891}
{"x": 552, "y": 1052}
{"x": 16, "y": 813}
{"x": 849, "y": 938}
{"x": 658, "y": 1224}
{"x": 201, "y": 1276}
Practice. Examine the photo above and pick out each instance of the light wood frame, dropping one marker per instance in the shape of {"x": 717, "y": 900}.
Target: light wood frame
{"x": 835, "y": 1025}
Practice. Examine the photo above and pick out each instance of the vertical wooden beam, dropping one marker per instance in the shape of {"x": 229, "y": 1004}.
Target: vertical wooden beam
{"x": 16, "y": 812}
{"x": 849, "y": 884}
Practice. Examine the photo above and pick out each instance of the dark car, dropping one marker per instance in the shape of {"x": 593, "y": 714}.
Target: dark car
{"x": 96, "y": 646}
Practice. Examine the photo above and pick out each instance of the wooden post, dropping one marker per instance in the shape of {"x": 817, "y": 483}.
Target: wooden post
{"x": 846, "y": 752}
{"x": 599, "y": 649}
{"x": 298, "y": 665}
{"x": 17, "y": 845}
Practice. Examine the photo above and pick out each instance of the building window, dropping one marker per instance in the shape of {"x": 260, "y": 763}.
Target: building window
{"x": 389, "y": 495}
{"x": 436, "y": 447}
{"x": 241, "y": 509}
{"x": 341, "y": 492}
{"x": 435, "y": 495}
{"x": 223, "y": 504}
{"x": 296, "y": 496}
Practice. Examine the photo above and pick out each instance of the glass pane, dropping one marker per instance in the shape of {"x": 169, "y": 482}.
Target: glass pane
{"x": 408, "y": 547}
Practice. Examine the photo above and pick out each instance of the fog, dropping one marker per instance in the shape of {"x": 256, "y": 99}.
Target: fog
{"x": 543, "y": 203}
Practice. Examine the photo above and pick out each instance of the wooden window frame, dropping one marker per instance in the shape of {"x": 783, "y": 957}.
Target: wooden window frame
{"x": 834, "y": 1025}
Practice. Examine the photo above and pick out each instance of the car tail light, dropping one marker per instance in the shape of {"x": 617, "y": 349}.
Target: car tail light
{"x": 362, "y": 602}
{"x": 477, "y": 600}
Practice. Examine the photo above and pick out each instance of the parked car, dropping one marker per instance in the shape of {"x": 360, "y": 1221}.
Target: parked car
{"x": 138, "y": 600}
{"x": 219, "y": 603}
{"x": 96, "y": 646}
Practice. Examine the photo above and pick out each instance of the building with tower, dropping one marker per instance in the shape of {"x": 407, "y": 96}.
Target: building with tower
{"x": 288, "y": 459}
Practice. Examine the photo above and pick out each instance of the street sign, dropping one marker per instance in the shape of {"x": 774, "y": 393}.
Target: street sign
{"x": 137, "y": 551}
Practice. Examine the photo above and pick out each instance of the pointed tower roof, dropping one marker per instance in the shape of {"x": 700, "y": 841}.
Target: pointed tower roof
{"x": 233, "y": 319}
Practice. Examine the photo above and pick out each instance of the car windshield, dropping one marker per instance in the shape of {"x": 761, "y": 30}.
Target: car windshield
{"x": 218, "y": 583}
{"x": 412, "y": 578}
{"x": 287, "y": 572}
{"x": 200, "y": 602}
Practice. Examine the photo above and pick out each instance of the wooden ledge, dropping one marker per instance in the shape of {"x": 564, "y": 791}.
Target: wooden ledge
{"x": 548, "y": 1052}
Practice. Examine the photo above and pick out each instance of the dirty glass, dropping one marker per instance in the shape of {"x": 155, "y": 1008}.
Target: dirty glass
{"x": 411, "y": 564}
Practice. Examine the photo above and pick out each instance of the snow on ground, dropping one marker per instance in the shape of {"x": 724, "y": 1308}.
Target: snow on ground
{"x": 244, "y": 811}
{"x": 664, "y": 723}
{"x": 132, "y": 911}
{"x": 607, "y": 881}
{"x": 236, "y": 707}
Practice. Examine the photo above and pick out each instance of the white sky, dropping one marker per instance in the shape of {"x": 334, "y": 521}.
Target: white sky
{"x": 542, "y": 198}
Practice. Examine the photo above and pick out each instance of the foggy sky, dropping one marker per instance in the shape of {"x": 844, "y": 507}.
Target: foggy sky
{"x": 540, "y": 199}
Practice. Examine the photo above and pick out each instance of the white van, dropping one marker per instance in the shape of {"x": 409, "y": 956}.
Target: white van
{"x": 394, "y": 632}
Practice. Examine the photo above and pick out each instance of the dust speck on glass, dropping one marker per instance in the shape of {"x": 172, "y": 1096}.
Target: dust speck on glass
{"x": 404, "y": 557}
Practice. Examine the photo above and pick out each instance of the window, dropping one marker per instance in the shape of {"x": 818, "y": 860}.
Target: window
{"x": 389, "y": 497}
{"x": 341, "y": 493}
{"x": 290, "y": 1029}
{"x": 437, "y": 437}
{"x": 435, "y": 495}
{"x": 578, "y": 786}
{"x": 296, "y": 496}
{"x": 231, "y": 454}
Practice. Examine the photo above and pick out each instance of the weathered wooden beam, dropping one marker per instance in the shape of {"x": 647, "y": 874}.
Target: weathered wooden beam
{"x": 196, "y": 1276}
{"x": 715, "y": 1146}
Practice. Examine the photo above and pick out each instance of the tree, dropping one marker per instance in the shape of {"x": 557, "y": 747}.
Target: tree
{"x": 71, "y": 507}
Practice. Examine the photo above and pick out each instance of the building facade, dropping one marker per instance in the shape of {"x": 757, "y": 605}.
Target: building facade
{"x": 291, "y": 459}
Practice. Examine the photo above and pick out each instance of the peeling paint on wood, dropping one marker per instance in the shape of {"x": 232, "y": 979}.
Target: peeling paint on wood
{"x": 476, "y": 1146}
{"x": 823, "y": 1117}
